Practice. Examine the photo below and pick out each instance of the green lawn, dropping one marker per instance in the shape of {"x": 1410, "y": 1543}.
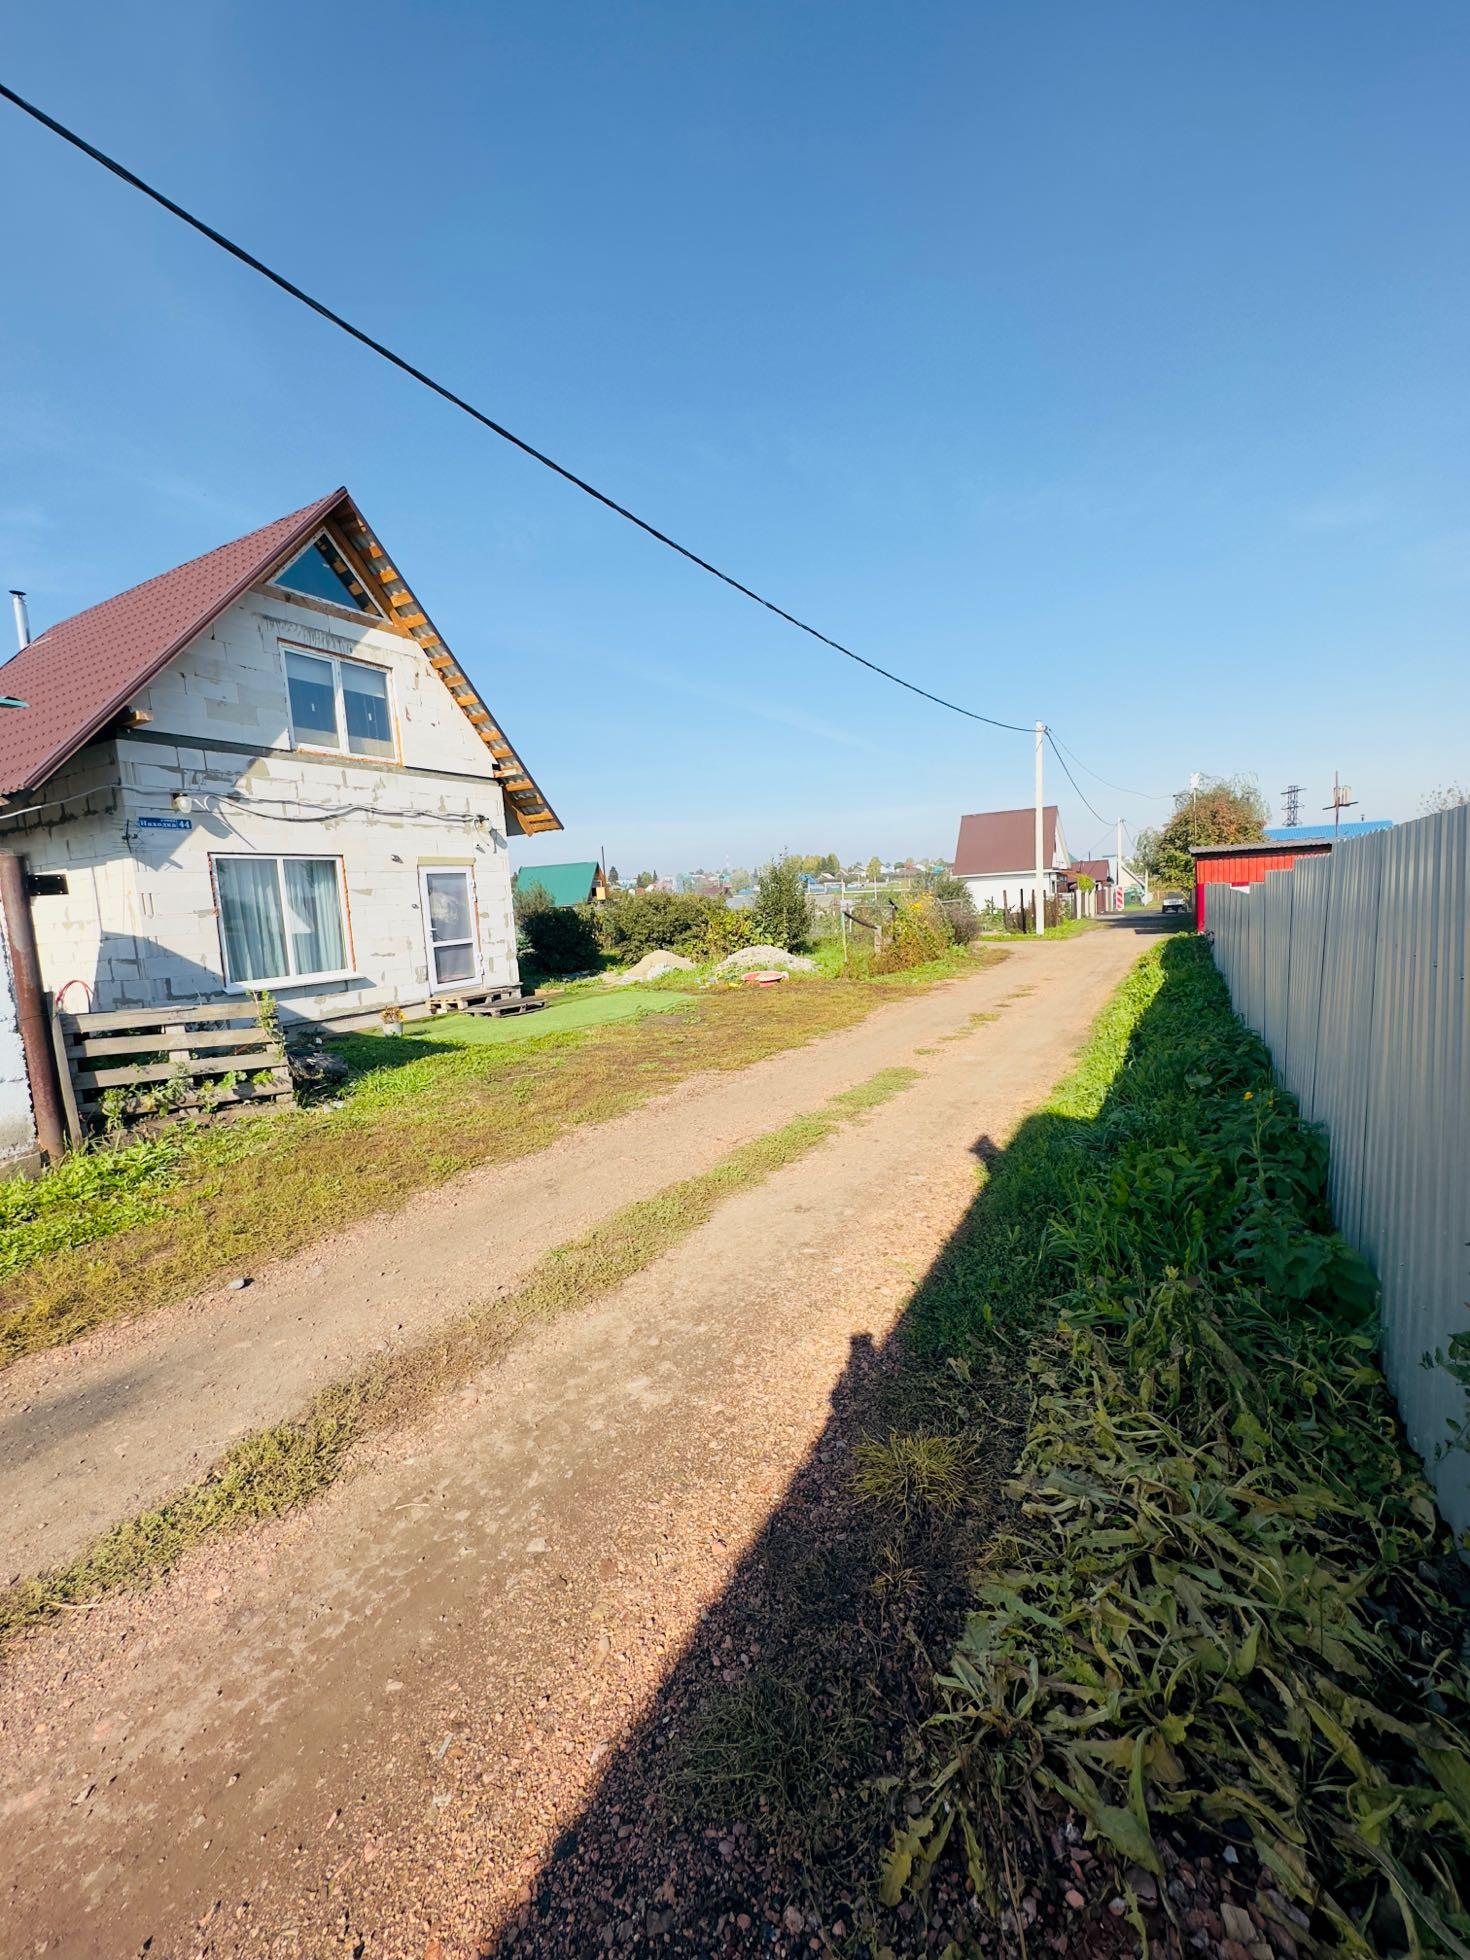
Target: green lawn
{"x": 115, "y": 1233}
{"x": 582, "y": 1010}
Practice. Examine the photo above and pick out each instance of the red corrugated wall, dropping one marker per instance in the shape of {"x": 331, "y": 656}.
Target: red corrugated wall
{"x": 1243, "y": 867}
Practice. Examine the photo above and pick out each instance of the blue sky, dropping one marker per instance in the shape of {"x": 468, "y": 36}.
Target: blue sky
{"x": 1098, "y": 363}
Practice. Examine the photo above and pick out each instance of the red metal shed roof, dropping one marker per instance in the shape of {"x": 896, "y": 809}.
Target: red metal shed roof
{"x": 1261, "y": 847}
{"x": 998, "y": 840}
{"x": 79, "y": 673}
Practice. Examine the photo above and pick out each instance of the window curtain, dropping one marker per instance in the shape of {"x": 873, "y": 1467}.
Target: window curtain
{"x": 250, "y": 918}
{"x": 365, "y": 706}
{"x": 451, "y": 925}
{"x": 314, "y": 915}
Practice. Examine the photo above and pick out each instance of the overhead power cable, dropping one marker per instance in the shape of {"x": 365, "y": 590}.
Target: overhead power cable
{"x": 1149, "y": 795}
{"x": 1070, "y": 777}
{"x": 386, "y": 353}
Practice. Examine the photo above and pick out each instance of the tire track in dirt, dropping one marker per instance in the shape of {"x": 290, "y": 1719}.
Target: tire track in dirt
{"x": 101, "y": 1430}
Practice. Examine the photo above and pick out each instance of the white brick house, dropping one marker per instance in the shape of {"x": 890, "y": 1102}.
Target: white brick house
{"x": 263, "y": 770}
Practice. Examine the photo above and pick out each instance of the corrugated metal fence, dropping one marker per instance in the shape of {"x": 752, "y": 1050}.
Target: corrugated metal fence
{"x": 1353, "y": 969}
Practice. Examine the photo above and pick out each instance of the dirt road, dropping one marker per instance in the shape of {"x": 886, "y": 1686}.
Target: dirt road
{"x": 361, "y": 1729}
{"x": 98, "y": 1430}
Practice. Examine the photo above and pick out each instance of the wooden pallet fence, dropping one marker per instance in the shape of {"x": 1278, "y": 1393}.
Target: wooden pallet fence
{"x": 167, "y": 1063}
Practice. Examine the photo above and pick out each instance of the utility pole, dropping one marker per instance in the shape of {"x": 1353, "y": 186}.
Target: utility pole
{"x": 31, "y": 1008}
{"x": 1039, "y": 901}
{"x": 1118, "y": 888}
{"x": 1342, "y": 799}
{"x": 1292, "y": 797}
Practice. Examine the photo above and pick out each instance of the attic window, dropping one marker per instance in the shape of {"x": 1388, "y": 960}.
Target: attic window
{"x": 323, "y": 573}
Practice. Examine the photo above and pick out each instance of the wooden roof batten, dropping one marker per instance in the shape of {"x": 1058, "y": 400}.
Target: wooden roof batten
{"x": 533, "y": 814}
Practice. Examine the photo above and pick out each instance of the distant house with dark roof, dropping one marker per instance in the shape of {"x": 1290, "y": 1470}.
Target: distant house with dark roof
{"x": 1099, "y": 870}
{"x": 264, "y": 770}
{"x": 564, "y": 884}
{"x": 1104, "y": 875}
{"x": 995, "y": 854}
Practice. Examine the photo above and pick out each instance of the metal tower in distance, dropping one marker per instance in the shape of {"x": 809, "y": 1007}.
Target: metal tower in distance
{"x": 1292, "y": 795}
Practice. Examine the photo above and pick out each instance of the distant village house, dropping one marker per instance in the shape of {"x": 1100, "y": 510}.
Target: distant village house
{"x": 564, "y": 884}
{"x": 995, "y": 855}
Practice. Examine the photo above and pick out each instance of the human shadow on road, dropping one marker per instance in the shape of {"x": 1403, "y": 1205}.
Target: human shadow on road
{"x": 751, "y": 1810}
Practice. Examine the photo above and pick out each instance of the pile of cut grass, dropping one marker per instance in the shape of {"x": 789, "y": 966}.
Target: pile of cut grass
{"x": 1224, "y": 1602}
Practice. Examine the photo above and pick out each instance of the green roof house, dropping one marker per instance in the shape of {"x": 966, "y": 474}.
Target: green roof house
{"x": 567, "y": 884}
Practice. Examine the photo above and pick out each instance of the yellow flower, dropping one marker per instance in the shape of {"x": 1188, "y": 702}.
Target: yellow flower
{"x": 1248, "y": 1094}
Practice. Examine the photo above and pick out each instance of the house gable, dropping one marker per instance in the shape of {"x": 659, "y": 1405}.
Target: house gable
{"x": 1002, "y": 843}
{"x": 231, "y": 690}
{"x": 79, "y": 675}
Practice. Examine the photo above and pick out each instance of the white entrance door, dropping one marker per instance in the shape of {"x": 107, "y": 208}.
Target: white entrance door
{"x": 449, "y": 925}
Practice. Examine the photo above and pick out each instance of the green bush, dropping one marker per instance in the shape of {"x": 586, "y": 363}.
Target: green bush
{"x": 952, "y": 896}
{"x": 782, "y": 913}
{"x": 563, "y": 938}
{"x": 699, "y": 927}
{"x": 725, "y": 930}
{"x": 916, "y": 932}
{"x": 528, "y": 900}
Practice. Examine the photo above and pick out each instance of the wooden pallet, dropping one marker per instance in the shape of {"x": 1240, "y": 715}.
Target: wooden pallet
{"x": 485, "y": 1000}
{"x": 173, "y": 1060}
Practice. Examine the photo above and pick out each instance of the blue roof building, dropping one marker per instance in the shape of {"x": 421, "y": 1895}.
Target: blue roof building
{"x": 1324, "y": 833}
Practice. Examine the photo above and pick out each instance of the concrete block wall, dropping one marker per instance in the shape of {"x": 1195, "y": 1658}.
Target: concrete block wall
{"x": 138, "y": 923}
{"x": 76, "y": 825}
{"x": 392, "y": 824}
{"x": 231, "y": 682}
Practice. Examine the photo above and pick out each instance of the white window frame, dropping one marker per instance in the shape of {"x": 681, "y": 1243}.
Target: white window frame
{"x": 337, "y": 661}
{"x": 467, "y": 871}
{"x": 278, "y": 858}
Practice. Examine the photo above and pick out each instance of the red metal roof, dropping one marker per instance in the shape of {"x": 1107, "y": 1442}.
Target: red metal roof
{"x": 81, "y": 672}
{"x": 1099, "y": 870}
{"x": 996, "y": 840}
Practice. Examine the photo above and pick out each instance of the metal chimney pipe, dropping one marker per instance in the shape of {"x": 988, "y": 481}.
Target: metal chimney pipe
{"x": 22, "y": 621}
